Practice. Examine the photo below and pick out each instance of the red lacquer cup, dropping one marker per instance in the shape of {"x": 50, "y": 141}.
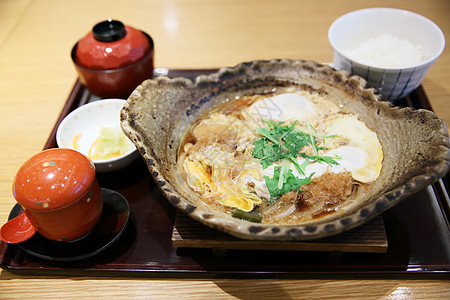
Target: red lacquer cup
{"x": 59, "y": 193}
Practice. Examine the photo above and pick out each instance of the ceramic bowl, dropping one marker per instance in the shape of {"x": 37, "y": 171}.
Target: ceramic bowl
{"x": 117, "y": 82}
{"x": 79, "y": 130}
{"x": 354, "y": 28}
{"x": 159, "y": 113}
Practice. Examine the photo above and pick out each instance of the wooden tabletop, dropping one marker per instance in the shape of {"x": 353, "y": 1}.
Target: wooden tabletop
{"x": 36, "y": 77}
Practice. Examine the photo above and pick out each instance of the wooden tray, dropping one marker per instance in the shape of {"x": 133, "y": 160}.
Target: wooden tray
{"x": 369, "y": 237}
{"x": 417, "y": 231}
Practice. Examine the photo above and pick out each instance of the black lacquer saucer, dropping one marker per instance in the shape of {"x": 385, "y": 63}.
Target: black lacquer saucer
{"x": 112, "y": 224}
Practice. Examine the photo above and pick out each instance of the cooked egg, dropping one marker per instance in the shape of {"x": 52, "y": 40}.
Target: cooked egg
{"x": 210, "y": 173}
{"x": 361, "y": 153}
{"x": 226, "y": 173}
{"x": 364, "y": 154}
{"x": 284, "y": 107}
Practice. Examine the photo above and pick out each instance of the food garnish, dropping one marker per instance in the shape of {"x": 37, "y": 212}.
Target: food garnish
{"x": 248, "y": 216}
{"x": 283, "y": 142}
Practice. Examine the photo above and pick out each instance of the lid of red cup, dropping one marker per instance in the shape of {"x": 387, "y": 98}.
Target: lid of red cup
{"x": 53, "y": 179}
{"x": 111, "y": 45}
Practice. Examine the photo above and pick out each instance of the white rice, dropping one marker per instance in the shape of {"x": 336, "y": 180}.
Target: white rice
{"x": 387, "y": 51}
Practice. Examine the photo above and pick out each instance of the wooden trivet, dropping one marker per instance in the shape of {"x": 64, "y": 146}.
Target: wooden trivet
{"x": 369, "y": 237}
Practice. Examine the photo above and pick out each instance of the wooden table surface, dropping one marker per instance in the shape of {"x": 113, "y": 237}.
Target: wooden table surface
{"x": 36, "y": 77}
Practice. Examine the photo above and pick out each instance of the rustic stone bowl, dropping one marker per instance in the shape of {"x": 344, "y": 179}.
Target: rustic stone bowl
{"x": 159, "y": 112}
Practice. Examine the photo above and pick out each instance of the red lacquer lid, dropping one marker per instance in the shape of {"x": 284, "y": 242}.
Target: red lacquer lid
{"x": 111, "y": 45}
{"x": 52, "y": 179}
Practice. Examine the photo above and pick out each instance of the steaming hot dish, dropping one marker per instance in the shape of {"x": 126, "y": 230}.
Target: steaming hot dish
{"x": 284, "y": 158}
{"x": 306, "y": 150}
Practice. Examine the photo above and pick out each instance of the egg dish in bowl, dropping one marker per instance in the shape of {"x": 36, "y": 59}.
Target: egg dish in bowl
{"x": 282, "y": 149}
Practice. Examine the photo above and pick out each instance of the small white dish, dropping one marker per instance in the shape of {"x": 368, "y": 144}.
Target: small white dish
{"x": 356, "y": 27}
{"x": 80, "y": 129}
